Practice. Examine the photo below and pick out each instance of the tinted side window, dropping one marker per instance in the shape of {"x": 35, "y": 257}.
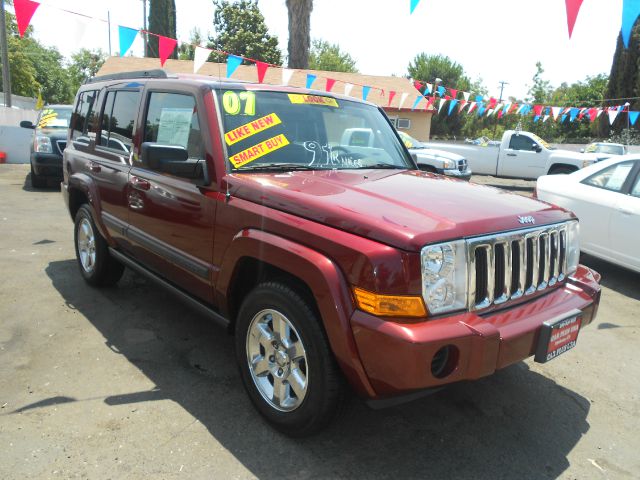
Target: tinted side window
{"x": 118, "y": 119}
{"x": 611, "y": 178}
{"x": 520, "y": 142}
{"x": 83, "y": 119}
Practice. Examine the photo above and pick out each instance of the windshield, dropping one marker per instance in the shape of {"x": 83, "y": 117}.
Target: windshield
{"x": 542, "y": 142}
{"x": 605, "y": 148}
{"x": 54, "y": 117}
{"x": 287, "y": 131}
{"x": 411, "y": 142}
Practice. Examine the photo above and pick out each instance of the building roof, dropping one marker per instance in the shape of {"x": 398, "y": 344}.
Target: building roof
{"x": 273, "y": 76}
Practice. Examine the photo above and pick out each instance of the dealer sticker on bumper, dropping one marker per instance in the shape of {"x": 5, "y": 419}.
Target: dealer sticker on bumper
{"x": 558, "y": 336}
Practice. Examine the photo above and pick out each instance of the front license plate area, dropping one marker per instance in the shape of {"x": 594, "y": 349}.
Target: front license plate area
{"x": 558, "y": 336}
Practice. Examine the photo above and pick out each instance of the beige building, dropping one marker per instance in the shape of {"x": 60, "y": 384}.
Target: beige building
{"x": 416, "y": 123}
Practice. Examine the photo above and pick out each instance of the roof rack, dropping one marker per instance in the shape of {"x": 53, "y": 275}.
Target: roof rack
{"x": 156, "y": 73}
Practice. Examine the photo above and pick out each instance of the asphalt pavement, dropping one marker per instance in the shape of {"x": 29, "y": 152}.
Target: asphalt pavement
{"x": 127, "y": 383}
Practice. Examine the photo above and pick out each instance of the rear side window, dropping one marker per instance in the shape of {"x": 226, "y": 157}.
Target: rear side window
{"x": 611, "y": 178}
{"x": 118, "y": 120}
{"x": 84, "y": 117}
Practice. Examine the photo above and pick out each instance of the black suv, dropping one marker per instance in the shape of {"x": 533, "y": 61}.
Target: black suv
{"x": 49, "y": 141}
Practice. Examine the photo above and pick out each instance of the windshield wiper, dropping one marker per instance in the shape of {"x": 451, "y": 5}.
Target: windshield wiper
{"x": 379, "y": 166}
{"x": 274, "y": 167}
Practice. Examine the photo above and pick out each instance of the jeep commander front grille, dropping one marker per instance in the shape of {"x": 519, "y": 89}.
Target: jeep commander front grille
{"x": 507, "y": 266}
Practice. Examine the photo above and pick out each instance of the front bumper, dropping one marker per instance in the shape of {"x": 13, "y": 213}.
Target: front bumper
{"x": 47, "y": 164}
{"x": 454, "y": 172}
{"x": 397, "y": 357}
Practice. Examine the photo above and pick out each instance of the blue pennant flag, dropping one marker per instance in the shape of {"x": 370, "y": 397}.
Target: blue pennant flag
{"x": 414, "y": 4}
{"x": 452, "y": 105}
{"x": 479, "y": 98}
{"x": 441, "y": 90}
{"x": 365, "y": 92}
{"x": 481, "y": 111}
{"x": 310, "y": 79}
{"x": 536, "y": 118}
{"x": 633, "y": 116}
{"x": 415, "y": 104}
{"x": 563, "y": 118}
{"x": 573, "y": 113}
{"x": 233, "y": 62}
{"x": 127, "y": 36}
{"x": 630, "y": 13}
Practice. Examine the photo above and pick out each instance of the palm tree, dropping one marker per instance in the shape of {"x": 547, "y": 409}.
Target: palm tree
{"x": 299, "y": 32}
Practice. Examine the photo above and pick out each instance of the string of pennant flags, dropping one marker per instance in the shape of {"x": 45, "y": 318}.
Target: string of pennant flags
{"x": 444, "y": 100}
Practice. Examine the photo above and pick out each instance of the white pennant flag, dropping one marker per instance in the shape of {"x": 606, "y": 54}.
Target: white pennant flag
{"x": 522, "y": 105}
{"x": 403, "y": 97}
{"x": 613, "y": 113}
{"x": 347, "y": 88}
{"x": 429, "y": 88}
{"x": 286, "y": 75}
{"x": 507, "y": 106}
{"x": 546, "y": 117}
{"x": 490, "y": 112}
{"x": 465, "y": 95}
{"x": 599, "y": 112}
{"x": 76, "y": 28}
{"x": 472, "y": 106}
{"x": 556, "y": 111}
{"x": 200, "y": 57}
{"x": 441, "y": 104}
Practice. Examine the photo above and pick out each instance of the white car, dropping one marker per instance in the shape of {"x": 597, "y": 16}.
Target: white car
{"x": 606, "y": 199}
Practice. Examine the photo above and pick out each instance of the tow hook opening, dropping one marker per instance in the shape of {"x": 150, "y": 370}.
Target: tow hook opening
{"x": 445, "y": 361}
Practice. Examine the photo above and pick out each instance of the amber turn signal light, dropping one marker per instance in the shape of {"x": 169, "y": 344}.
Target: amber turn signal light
{"x": 389, "y": 305}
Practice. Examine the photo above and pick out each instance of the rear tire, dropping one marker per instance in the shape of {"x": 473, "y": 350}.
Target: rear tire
{"x": 285, "y": 362}
{"x": 37, "y": 181}
{"x": 97, "y": 267}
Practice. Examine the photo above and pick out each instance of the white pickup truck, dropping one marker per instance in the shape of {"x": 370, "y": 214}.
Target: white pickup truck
{"x": 519, "y": 155}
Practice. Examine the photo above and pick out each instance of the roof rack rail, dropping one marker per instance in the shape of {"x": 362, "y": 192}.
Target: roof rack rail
{"x": 156, "y": 73}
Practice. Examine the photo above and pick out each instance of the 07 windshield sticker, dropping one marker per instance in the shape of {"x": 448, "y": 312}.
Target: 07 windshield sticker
{"x": 251, "y": 128}
{"x": 297, "y": 98}
{"x": 327, "y": 156}
{"x": 259, "y": 150}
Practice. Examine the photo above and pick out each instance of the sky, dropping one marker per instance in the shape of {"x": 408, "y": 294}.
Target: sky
{"x": 495, "y": 40}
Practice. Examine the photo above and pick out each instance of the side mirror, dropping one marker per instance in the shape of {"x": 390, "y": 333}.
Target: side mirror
{"x": 537, "y": 148}
{"x": 582, "y": 150}
{"x": 27, "y": 124}
{"x": 155, "y": 154}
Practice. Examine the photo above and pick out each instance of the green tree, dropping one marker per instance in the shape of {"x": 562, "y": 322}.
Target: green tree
{"x": 299, "y": 12}
{"x": 186, "y": 51}
{"x": 84, "y": 65}
{"x": 162, "y": 21}
{"x": 432, "y": 68}
{"x": 241, "y": 30}
{"x": 540, "y": 90}
{"x": 329, "y": 57}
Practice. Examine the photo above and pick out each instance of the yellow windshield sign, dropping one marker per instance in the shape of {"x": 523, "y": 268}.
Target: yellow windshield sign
{"x": 259, "y": 150}
{"x": 251, "y": 128}
{"x": 298, "y": 98}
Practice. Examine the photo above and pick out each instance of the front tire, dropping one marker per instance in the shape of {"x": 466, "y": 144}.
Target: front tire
{"x": 37, "y": 181}
{"x": 97, "y": 267}
{"x": 285, "y": 362}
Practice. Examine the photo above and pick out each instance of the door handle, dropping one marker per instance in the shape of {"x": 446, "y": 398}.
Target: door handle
{"x": 139, "y": 184}
{"x": 511, "y": 155}
{"x": 94, "y": 167}
{"x": 624, "y": 211}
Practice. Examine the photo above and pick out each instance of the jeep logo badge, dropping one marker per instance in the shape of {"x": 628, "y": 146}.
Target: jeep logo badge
{"x": 526, "y": 219}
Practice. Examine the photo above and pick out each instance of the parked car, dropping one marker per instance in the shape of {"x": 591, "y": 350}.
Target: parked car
{"x": 430, "y": 159}
{"x": 606, "y": 199}
{"x": 49, "y": 141}
{"x": 604, "y": 150}
{"x": 327, "y": 261}
{"x": 519, "y": 155}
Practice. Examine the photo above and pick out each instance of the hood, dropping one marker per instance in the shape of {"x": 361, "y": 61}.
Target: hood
{"x": 406, "y": 209}
{"x": 436, "y": 153}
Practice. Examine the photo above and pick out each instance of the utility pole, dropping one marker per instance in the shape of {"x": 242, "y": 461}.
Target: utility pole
{"x": 109, "y": 29}
{"x": 495, "y": 125}
{"x": 6, "y": 74}
{"x": 144, "y": 23}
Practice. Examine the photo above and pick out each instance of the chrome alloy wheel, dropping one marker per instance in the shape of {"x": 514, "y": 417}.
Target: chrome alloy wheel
{"x": 277, "y": 360}
{"x": 86, "y": 245}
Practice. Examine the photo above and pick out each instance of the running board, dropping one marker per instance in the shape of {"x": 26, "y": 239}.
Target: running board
{"x": 186, "y": 298}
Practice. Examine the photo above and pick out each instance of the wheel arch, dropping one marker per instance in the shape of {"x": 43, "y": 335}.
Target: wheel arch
{"x": 559, "y": 165}
{"x": 83, "y": 190}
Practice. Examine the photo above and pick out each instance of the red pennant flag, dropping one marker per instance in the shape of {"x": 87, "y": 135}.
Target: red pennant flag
{"x": 24, "y": 11}
{"x": 330, "y": 83}
{"x": 454, "y": 92}
{"x": 430, "y": 101}
{"x": 166, "y": 46}
{"x": 492, "y": 103}
{"x": 463, "y": 103}
{"x": 582, "y": 113}
{"x": 537, "y": 110}
{"x": 417, "y": 85}
{"x": 573, "y": 7}
{"x": 500, "y": 113}
{"x": 448, "y": 97}
{"x": 262, "y": 70}
{"x": 593, "y": 114}
{"x": 391, "y": 95}
{"x": 512, "y": 108}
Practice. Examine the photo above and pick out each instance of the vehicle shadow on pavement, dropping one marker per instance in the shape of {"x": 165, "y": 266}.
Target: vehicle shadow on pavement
{"x": 515, "y": 424}
{"x": 52, "y": 185}
{"x": 619, "y": 279}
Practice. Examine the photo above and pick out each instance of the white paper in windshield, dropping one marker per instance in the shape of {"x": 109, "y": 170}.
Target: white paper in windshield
{"x": 175, "y": 125}
{"x": 618, "y": 176}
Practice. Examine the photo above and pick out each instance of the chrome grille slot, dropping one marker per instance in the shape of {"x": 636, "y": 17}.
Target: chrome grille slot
{"x": 507, "y": 266}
